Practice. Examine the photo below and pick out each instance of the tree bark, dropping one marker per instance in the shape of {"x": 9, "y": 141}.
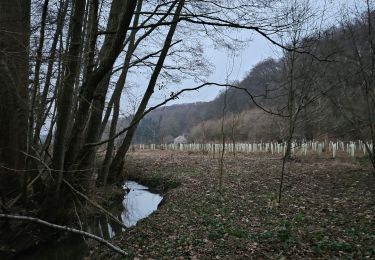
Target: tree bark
{"x": 86, "y": 157}
{"x": 14, "y": 64}
{"x": 65, "y": 95}
{"x": 105, "y": 65}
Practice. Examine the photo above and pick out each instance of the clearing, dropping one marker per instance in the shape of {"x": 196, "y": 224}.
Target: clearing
{"x": 327, "y": 209}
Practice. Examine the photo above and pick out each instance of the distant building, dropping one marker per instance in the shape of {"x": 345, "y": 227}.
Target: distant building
{"x": 180, "y": 140}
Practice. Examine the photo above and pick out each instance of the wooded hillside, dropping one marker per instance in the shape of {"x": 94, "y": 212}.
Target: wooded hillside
{"x": 335, "y": 86}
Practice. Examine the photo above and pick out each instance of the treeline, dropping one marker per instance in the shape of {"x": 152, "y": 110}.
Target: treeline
{"x": 333, "y": 96}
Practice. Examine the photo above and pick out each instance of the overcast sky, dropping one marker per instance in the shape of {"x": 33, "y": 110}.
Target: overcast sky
{"x": 230, "y": 67}
{"x": 257, "y": 49}
{"x": 226, "y": 66}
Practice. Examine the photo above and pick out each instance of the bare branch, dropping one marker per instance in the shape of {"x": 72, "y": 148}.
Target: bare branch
{"x": 65, "y": 228}
{"x": 174, "y": 96}
{"x": 94, "y": 204}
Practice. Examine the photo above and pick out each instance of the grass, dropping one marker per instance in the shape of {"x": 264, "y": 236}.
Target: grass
{"x": 327, "y": 210}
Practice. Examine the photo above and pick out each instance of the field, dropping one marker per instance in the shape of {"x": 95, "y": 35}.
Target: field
{"x": 327, "y": 208}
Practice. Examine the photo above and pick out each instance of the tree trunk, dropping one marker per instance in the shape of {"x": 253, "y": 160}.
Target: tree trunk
{"x": 117, "y": 163}
{"x": 14, "y": 65}
{"x": 116, "y": 101}
{"x": 65, "y": 95}
{"x": 88, "y": 89}
{"x": 86, "y": 156}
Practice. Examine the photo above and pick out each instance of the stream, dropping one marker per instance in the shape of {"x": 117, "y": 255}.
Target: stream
{"x": 138, "y": 203}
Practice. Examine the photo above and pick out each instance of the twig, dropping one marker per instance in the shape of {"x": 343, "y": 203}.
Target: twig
{"x": 94, "y": 204}
{"x": 11, "y": 203}
{"x": 73, "y": 189}
{"x": 65, "y": 228}
{"x": 79, "y": 220}
{"x": 174, "y": 96}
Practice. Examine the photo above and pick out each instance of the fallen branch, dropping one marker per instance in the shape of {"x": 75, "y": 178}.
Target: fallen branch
{"x": 72, "y": 188}
{"x": 94, "y": 204}
{"x": 69, "y": 229}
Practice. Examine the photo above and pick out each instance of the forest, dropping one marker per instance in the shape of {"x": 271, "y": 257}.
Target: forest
{"x": 99, "y": 161}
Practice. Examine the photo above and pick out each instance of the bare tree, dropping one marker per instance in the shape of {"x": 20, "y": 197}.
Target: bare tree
{"x": 117, "y": 163}
{"x": 298, "y": 68}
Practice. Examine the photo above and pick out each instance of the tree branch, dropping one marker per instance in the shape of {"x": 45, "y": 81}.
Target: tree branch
{"x": 174, "y": 96}
{"x": 94, "y": 204}
{"x": 65, "y": 228}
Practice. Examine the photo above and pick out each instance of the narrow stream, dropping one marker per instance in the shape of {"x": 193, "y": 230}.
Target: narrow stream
{"x": 138, "y": 203}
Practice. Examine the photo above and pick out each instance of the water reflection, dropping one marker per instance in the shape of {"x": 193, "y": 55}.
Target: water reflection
{"x": 138, "y": 203}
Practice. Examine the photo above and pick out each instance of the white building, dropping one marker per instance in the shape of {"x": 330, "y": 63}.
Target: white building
{"x": 180, "y": 140}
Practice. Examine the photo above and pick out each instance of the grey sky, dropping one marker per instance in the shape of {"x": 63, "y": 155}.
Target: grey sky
{"x": 256, "y": 50}
{"x": 224, "y": 63}
{"x": 229, "y": 67}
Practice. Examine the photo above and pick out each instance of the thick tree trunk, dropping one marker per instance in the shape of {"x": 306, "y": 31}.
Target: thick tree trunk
{"x": 86, "y": 157}
{"x": 14, "y": 64}
{"x": 105, "y": 65}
